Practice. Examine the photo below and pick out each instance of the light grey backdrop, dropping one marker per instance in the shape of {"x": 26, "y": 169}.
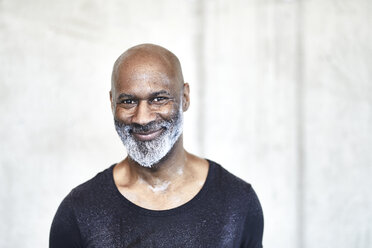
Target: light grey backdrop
{"x": 281, "y": 95}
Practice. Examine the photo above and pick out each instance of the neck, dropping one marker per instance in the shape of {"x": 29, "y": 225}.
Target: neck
{"x": 165, "y": 172}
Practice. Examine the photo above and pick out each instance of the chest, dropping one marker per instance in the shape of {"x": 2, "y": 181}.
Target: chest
{"x": 191, "y": 229}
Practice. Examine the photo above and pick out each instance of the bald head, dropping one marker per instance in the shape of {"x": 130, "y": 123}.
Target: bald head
{"x": 148, "y": 57}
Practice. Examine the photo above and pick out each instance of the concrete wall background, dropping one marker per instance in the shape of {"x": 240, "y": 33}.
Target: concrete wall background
{"x": 281, "y": 96}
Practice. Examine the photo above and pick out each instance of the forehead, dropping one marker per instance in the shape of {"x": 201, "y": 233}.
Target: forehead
{"x": 145, "y": 78}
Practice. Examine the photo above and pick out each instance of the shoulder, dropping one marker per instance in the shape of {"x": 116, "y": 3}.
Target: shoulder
{"x": 65, "y": 229}
{"x": 240, "y": 198}
{"x": 234, "y": 189}
{"x": 88, "y": 191}
{"x": 227, "y": 181}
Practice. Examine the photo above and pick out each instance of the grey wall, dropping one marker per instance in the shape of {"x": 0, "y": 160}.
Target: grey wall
{"x": 281, "y": 96}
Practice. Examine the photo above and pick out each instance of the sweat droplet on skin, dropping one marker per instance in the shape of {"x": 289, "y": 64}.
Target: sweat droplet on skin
{"x": 159, "y": 187}
{"x": 180, "y": 171}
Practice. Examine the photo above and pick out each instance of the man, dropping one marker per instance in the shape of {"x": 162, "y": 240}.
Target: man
{"x": 159, "y": 195}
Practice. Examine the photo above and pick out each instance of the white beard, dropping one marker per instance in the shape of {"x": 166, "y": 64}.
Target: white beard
{"x": 149, "y": 153}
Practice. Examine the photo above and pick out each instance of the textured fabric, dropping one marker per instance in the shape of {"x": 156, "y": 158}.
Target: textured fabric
{"x": 225, "y": 213}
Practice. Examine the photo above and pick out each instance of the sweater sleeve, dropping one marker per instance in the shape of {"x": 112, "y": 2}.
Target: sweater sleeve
{"x": 64, "y": 232}
{"x": 254, "y": 223}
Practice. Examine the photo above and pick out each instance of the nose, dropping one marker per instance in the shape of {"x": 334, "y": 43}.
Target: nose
{"x": 143, "y": 114}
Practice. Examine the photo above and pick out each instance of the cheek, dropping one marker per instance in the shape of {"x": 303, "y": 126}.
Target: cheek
{"x": 169, "y": 112}
{"x": 122, "y": 115}
{"x": 165, "y": 111}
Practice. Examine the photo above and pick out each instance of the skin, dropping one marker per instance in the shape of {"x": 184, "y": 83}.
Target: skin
{"x": 147, "y": 85}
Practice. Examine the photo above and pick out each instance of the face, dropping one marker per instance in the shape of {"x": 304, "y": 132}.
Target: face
{"x": 148, "y": 105}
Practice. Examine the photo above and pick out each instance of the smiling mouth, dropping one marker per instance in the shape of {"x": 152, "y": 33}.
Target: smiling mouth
{"x": 147, "y": 136}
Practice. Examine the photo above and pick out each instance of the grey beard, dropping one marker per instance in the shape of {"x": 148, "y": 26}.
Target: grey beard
{"x": 149, "y": 153}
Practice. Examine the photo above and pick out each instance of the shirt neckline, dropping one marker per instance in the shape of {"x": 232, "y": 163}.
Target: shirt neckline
{"x": 166, "y": 212}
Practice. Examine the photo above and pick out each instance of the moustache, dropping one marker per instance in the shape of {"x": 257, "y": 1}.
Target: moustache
{"x": 149, "y": 127}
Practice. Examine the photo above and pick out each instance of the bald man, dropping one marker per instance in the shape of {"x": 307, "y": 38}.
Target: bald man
{"x": 159, "y": 195}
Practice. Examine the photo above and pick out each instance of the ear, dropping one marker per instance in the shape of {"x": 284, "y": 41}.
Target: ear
{"x": 112, "y": 103}
{"x": 186, "y": 97}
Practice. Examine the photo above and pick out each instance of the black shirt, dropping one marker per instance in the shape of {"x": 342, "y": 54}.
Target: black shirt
{"x": 225, "y": 213}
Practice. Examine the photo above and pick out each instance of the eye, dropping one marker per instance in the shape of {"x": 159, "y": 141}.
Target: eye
{"x": 128, "y": 103}
{"x": 159, "y": 100}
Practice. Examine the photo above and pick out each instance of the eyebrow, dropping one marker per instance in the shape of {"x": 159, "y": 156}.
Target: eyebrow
{"x": 124, "y": 95}
{"x": 155, "y": 94}
{"x": 162, "y": 92}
